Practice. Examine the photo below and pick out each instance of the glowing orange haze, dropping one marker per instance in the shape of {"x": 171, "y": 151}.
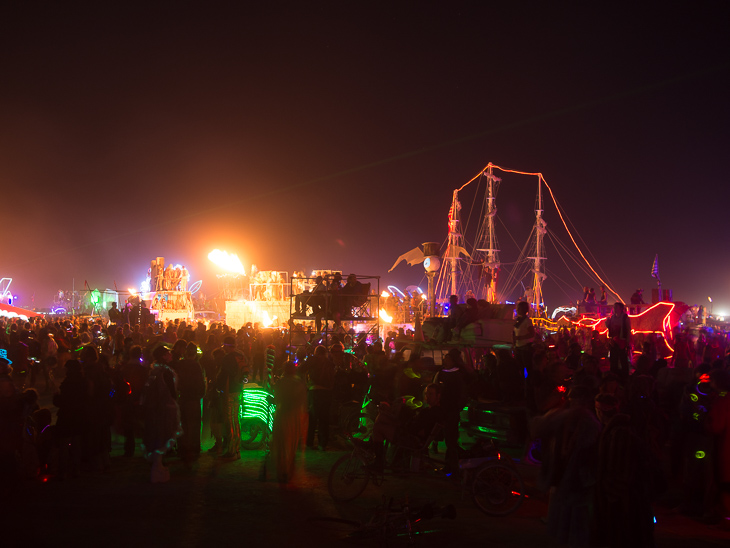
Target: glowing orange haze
{"x": 226, "y": 261}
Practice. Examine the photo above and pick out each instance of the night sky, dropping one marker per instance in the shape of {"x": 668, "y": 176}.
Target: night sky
{"x": 332, "y": 135}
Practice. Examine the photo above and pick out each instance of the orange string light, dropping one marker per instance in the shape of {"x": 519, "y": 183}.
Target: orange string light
{"x": 539, "y": 175}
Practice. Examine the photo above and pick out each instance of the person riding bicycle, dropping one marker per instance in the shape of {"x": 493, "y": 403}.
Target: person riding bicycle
{"x": 398, "y": 425}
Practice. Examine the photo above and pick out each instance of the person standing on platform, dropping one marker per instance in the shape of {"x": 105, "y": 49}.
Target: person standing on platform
{"x": 152, "y": 275}
{"x": 176, "y": 278}
{"x": 115, "y": 315}
{"x": 637, "y": 298}
{"x": 318, "y": 302}
{"x": 184, "y": 279}
{"x": 167, "y": 280}
{"x": 602, "y": 301}
{"x": 159, "y": 275}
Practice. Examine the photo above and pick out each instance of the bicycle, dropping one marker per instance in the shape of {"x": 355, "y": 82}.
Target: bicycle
{"x": 495, "y": 485}
{"x": 355, "y": 418}
{"x": 490, "y": 476}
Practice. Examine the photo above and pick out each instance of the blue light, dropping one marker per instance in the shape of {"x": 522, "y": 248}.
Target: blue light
{"x": 4, "y": 355}
{"x": 393, "y": 290}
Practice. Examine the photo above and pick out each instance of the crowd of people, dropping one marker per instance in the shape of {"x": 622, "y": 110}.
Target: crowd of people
{"x": 146, "y": 385}
{"x": 615, "y": 424}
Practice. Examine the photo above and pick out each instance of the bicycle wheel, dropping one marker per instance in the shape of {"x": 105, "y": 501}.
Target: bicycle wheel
{"x": 253, "y": 432}
{"x": 355, "y": 424}
{"x": 497, "y": 489}
{"x": 348, "y": 478}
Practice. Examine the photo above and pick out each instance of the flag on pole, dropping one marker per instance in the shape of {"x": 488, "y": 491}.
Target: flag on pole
{"x": 655, "y": 268}
{"x": 453, "y": 211}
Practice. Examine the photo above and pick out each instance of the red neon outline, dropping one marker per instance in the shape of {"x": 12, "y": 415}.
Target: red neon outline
{"x": 591, "y": 323}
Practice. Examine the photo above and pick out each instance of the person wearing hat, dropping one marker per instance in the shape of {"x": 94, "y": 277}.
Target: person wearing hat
{"x": 161, "y": 412}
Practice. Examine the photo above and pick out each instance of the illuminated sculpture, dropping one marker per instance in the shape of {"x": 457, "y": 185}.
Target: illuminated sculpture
{"x": 431, "y": 262}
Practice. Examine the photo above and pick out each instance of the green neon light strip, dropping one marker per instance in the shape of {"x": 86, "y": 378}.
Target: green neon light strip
{"x": 496, "y": 434}
{"x": 487, "y": 430}
{"x": 256, "y": 406}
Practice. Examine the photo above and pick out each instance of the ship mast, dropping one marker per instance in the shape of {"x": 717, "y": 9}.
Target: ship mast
{"x": 492, "y": 263}
{"x": 449, "y": 275}
{"x": 535, "y": 299}
{"x": 455, "y": 240}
